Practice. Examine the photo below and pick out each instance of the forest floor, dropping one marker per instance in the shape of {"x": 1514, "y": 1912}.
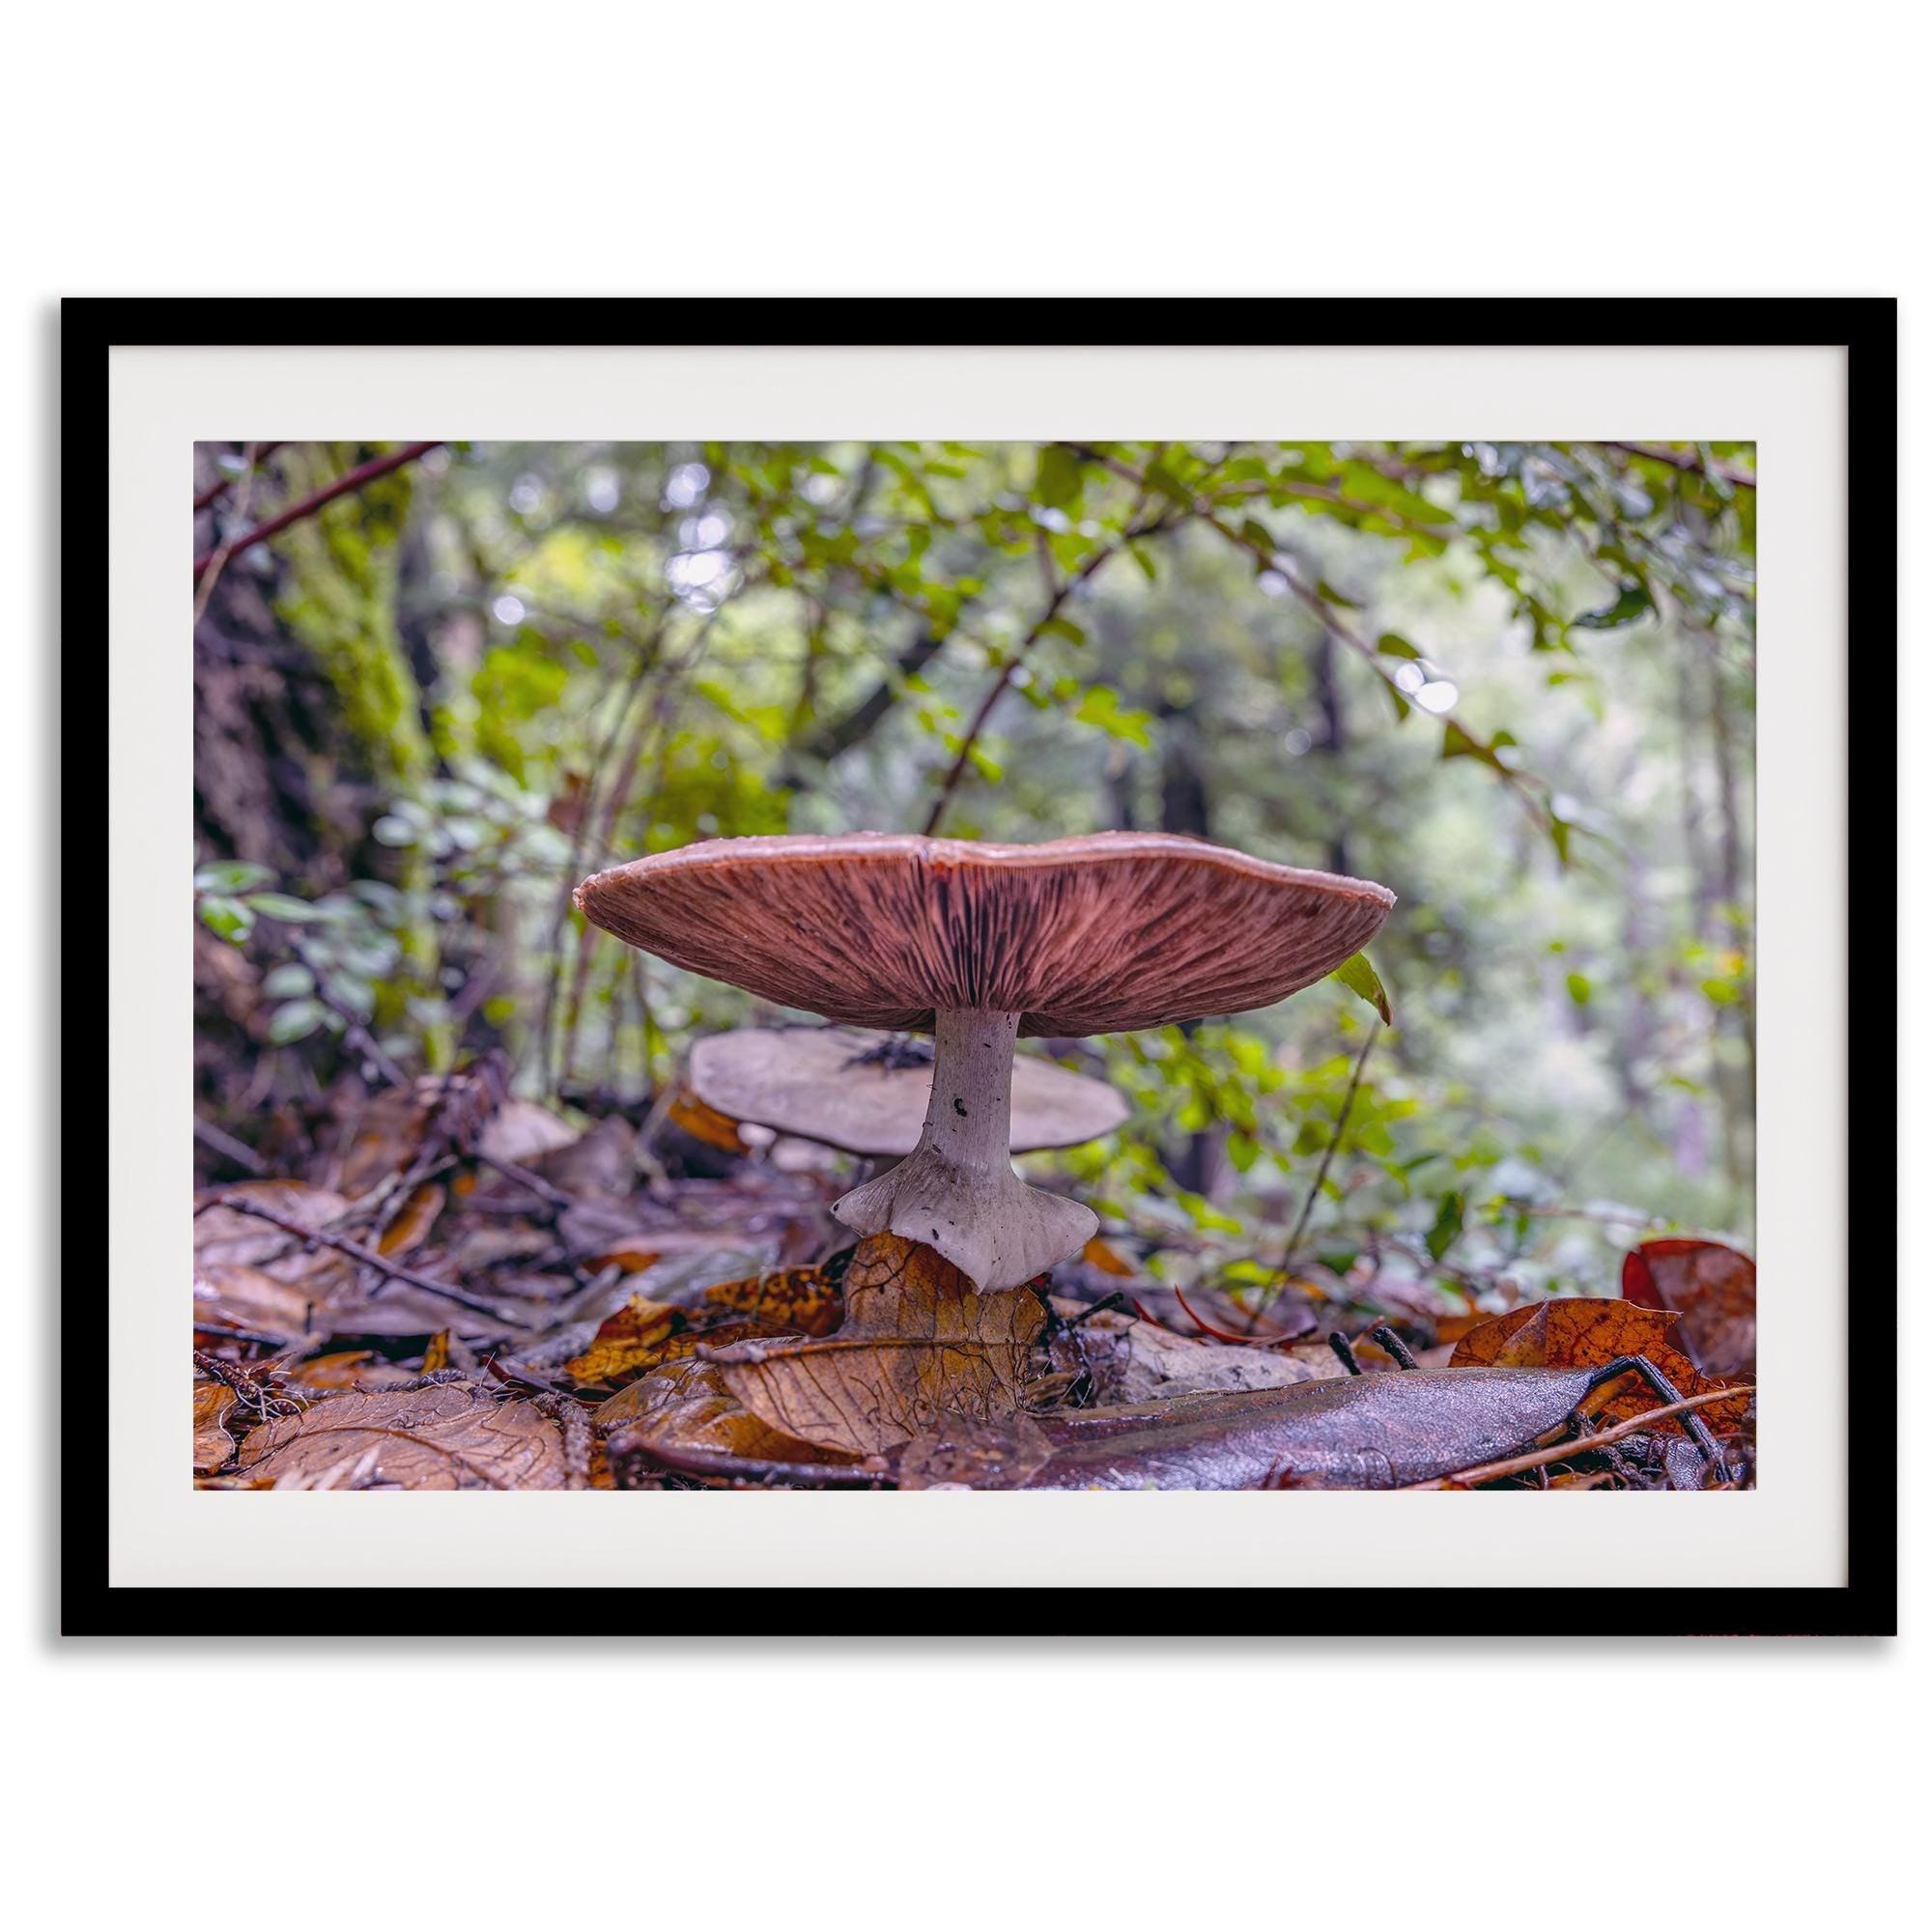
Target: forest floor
{"x": 448, "y": 1288}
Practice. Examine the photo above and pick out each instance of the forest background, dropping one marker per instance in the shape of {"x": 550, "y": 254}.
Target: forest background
{"x": 1513, "y": 682}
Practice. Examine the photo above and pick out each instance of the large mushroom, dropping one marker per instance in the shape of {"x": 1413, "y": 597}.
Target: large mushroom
{"x": 867, "y": 1092}
{"x": 981, "y": 944}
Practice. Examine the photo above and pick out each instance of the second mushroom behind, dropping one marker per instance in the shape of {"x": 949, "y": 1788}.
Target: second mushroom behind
{"x": 979, "y": 944}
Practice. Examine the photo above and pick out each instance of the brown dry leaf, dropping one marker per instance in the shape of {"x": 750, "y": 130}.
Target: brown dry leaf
{"x": 225, "y": 1236}
{"x": 685, "y": 1404}
{"x": 628, "y": 1259}
{"x": 801, "y": 1299}
{"x": 1712, "y": 1287}
{"x": 234, "y": 1296}
{"x": 451, "y": 1436}
{"x": 920, "y": 1345}
{"x": 213, "y": 1446}
{"x": 627, "y": 1343}
{"x": 521, "y": 1131}
{"x": 1099, "y": 1254}
{"x": 410, "y": 1227}
{"x": 389, "y": 1133}
{"x": 1581, "y": 1332}
{"x": 435, "y": 1356}
{"x": 705, "y": 1125}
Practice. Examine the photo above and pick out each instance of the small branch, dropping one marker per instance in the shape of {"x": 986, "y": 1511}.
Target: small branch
{"x": 223, "y": 484}
{"x": 997, "y": 688}
{"x": 355, "y": 1251}
{"x": 1558, "y": 1452}
{"x": 228, "y": 1146}
{"x": 344, "y": 485}
{"x": 1679, "y": 459}
{"x": 1279, "y": 1282}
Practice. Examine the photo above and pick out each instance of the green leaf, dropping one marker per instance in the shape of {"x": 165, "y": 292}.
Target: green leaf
{"x": 1361, "y": 979}
{"x": 1391, "y": 646}
{"x": 231, "y": 876}
{"x": 295, "y": 1021}
{"x": 279, "y": 905}
{"x": 1579, "y": 984}
{"x": 1448, "y": 1225}
{"x": 227, "y": 918}
{"x": 1634, "y": 601}
{"x": 1057, "y": 482}
{"x": 289, "y": 982}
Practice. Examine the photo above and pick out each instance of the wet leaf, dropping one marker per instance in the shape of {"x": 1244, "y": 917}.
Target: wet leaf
{"x": 1582, "y": 1332}
{"x": 451, "y": 1436}
{"x": 919, "y": 1344}
{"x": 1714, "y": 1289}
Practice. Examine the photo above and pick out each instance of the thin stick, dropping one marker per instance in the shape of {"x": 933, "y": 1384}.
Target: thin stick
{"x": 998, "y": 688}
{"x": 220, "y": 487}
{"x": 343, "y": 486}
{"x": 355, "y": 1251}
{"x": 1557, "y": 1452}
{"x": 1275, "y": 1287}
{"x": 229, "y": 1147}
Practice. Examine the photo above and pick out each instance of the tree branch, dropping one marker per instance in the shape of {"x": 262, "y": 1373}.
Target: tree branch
{"x": 344, "y": 485}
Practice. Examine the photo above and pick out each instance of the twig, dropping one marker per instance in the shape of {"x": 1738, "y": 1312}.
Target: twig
{"x": 1275, "y": 1287}
{"x": 229, "y": 1147}
{"x": 1557, "y": 1452}
{"x": 355, "y": 1251}
{"x": 997, "y": 688}
{"x": 260, "y": 454}
{"x": 217, "y": 560}
{"x": 1680, "y": 459}
{"x": 343, "y": 486}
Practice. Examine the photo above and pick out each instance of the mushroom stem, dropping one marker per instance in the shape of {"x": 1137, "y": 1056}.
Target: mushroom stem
{"x": 956, "y": 1191}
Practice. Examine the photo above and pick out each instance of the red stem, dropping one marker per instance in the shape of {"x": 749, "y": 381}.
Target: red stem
{"x": 351, "y": 480}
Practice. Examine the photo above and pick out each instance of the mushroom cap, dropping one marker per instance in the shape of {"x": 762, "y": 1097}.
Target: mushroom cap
{"x": 830, "y": 1084}
{"x": 1106, "y": 933}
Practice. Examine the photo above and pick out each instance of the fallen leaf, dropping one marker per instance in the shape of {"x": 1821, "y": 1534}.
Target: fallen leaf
{"x": 627, "y": 1343}
{"x": 685, "y": 1404}
{"x": 408, "y": 1229}
{"x": 705, "y": 1125}
{"x": 450, "y": 1435}
{"x": 236, "y": 1297}
{"x": 1101, "y": 1255}
{"x": 436, "y": 1356}
{"x": 920, "y": 1346}
{"x": 1583, "y": 1332}
{"x": 214, "y": 1445}
{"x": 1712, "y": 1287}
{"x": 626, "y": 1259}
{"x": 521, "y": 1131}
{"x": 800, "y": 1298}
{"x": 1131, "y": 1361}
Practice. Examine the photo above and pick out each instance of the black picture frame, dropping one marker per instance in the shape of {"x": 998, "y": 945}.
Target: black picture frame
{"x": 1864, "y": 327}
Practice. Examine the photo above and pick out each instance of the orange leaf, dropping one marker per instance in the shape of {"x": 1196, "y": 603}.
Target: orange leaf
{"x": 1582, "y": 1332}
{"x": 627, "y": 1343}
{"x": 1098, "y": 1254}
{"x": 799, "y": 1298}
{"x": 1712, "y": 1287}
{"x": 707, "y": 1124}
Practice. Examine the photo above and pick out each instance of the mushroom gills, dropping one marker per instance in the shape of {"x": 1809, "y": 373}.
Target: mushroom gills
{"x": 956, "y": 1191}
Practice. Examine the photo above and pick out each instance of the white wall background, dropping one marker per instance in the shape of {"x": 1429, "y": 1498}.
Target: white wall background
{"x": 1402, "y": 149}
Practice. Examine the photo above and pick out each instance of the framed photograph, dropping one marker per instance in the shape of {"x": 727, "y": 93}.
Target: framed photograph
{"x": 1152, "y": 961}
